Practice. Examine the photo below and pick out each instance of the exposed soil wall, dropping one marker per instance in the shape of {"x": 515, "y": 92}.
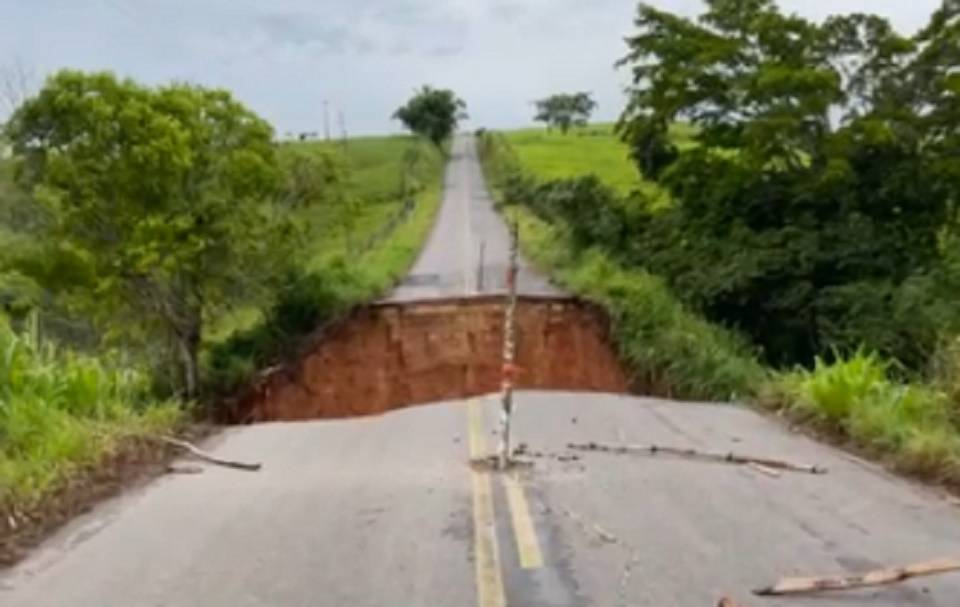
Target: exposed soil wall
{"x": 393, "y": 355}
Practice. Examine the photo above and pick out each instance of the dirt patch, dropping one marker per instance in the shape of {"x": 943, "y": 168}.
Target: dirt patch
{"x": 135, "y": 460}
{"x": 393, "y": 355}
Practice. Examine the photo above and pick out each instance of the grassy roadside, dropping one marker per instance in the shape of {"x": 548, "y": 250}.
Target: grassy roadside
{"x": 332, "y": 281}
{"x": 669, "y": 350}
{"x": 63, "y": 415}
{"x": 376, "y": 171}
{"x": 857, "y": 400}
{"x": 911, "y": 426}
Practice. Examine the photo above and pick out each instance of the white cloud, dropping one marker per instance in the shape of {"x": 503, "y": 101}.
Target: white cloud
{"x": 366, "y": 56}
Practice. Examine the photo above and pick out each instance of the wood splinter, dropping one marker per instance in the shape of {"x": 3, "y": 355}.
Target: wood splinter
{"x": 211, "y": 459}
{"x": 879, "y": 577}
{"x": 729, "y": 458}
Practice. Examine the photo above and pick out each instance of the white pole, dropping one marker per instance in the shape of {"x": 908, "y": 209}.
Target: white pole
{"x": 509, "y": 350}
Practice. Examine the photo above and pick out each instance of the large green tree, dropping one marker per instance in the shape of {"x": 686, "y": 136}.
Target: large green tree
{"x": 432, "y": 113}
{"x": 168, "y": 194}
{"x": 823, "y": 175}
{"x": 565, "y": 110}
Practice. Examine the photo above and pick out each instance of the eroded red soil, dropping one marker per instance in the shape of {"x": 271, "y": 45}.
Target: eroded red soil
{"x": 393, "y": 355}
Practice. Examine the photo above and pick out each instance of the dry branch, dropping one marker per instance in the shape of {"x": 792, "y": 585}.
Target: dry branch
{"x": 764, "y": 470}
{"x": 211, "y": 459}
{"x": 730, "y": 458}
{"x": 879, "y": 577}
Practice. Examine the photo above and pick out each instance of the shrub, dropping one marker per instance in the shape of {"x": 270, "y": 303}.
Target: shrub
{"x": 305, "y": 301}
{"x": 669, "y": 349}
{"x": 60, "y": 410}
{"x": 855, "y": 395}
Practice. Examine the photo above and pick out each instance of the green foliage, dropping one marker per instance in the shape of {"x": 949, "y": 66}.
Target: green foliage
{"x": 316, "y": 294}
{"x": 911, "y": 424}
{"x": 670, "y": 350}
{"x": 565, "y": 110}
{"x": 60, "y": 410}
{"x": 594, "y": 151}
{"x": 383, "y": 174}
{"x": 168, "y": 193}
{"x": 432, "y": 113}
{"x": 312, "y": 176}
{"x": 794, "y": 226}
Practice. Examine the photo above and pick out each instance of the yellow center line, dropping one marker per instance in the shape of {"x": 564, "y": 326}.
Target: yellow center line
{"x": 528, "y": 548}
{"x": 489, "y": 581}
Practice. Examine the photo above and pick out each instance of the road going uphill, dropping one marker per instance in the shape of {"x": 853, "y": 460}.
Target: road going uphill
{"x": 388, "y": 510}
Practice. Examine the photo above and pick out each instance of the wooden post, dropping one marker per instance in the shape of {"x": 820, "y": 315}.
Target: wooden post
{"x": 879, "y": 577}
{"x": 483, "y": 247}
{"x": 509, "y": 349}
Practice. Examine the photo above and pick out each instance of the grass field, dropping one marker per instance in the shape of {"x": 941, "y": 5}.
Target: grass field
{"x": 375, "y": 180}
{"x": 594, "y": 150}
{"x": 378, "y": 171}
{"x": 341, "y": 266}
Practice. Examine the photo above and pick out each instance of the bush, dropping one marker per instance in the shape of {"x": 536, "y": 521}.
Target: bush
{"x": 60, "y": 410}
{"x": 305, "y": 301}
{"x": 855, "y": 396}
{"x": 669, "y": 349}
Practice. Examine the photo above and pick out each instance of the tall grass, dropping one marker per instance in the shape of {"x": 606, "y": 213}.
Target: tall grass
{"x": 910, "y": 424}
{"x": 60, "y": 410}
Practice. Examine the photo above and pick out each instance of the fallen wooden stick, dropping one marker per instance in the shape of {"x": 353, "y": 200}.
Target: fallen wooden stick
{"x": 879, "y": 577}
{"x": 730, "y": 458}
{"x": 203, "y": 455}
{"x": 764, "y": 470}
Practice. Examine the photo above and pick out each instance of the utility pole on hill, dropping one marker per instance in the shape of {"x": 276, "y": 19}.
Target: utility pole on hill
{"x": 326, "y": 120}
{"x": 343, "y": 129}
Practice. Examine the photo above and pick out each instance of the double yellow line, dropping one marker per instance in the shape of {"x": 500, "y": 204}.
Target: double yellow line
{"x": 490, "y": 589}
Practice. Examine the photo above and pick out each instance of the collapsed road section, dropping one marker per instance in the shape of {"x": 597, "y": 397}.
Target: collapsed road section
{"x": 391, "y": 355}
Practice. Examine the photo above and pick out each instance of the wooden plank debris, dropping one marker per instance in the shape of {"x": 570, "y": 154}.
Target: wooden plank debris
{"x": 210, "y": 459}
{"x": 730, "y": 458}
{"x": 878, "y": 577}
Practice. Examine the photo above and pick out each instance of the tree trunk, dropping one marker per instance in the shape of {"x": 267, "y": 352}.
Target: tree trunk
{"x": 188, "y": 343}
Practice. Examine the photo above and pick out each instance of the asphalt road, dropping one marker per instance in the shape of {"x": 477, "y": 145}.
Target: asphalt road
{"x": 469, "y": 248}
{"x": 389, "y": 511}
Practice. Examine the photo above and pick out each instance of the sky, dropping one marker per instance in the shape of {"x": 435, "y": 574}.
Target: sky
{"x": 285, "y": 58}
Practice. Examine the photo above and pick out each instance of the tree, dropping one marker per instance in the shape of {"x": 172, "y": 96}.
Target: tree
{"x": 432, "y": 113}
{"x": 167, "y": 193}
{"x": 17, "y": 83}
{"x": 822, "y": 178}
{"x": 563, "y": 111}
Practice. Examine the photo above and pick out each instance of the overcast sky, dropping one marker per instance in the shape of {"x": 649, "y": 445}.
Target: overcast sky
{"x": 284, "y": 57}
